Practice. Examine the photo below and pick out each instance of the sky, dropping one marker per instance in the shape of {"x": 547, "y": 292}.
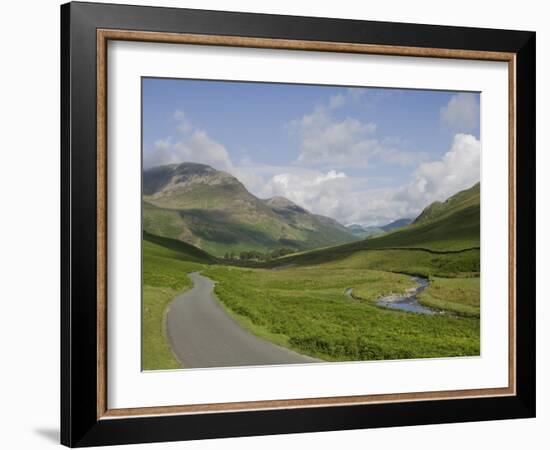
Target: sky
{"x": 358, "y": 155}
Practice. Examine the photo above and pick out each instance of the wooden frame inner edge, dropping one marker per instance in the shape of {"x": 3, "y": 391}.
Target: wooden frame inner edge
{"x": 104, "y": 35}
{"x": 101, "y": 223}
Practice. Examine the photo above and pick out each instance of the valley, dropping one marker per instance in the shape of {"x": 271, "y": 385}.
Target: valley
{"x": 195, "y": 216}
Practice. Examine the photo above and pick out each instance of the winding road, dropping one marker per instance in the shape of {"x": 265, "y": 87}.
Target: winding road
{"x": 202, "y": 334}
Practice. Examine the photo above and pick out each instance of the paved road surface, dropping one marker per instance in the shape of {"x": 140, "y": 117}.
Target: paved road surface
{"x": 202, "y": 334}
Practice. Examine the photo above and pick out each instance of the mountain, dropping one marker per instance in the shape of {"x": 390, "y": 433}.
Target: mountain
{"x": 364, "y": 232}
{"x": 399, "y": 223}
{"x": 213, "y": 210}
{"x": 302, "y": 219}
{"x": 449, "y": 226}
{"x": 461, "y": 200}
{"x": 372, "y": 231}
{"x": 356, "y": 229}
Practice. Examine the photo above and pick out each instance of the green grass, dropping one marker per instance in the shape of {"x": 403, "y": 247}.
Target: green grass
{"x": 173, "y": 248}
{"x": 304, "y": 308}
{"x": 162, "y": 222}
{"x": 373, "y": 284}
{"x": 458, "y": 295}
{"x": 414, "y": 262}
{"x": 155, "y": 351}
{"x": 165, "y": 265}
{"x": 454, "y": 277}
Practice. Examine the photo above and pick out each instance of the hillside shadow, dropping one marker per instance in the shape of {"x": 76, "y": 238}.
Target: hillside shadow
{"x": 221, "y": 227}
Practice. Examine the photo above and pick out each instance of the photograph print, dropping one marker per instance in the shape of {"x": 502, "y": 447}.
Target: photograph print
{"x": 302, "y": 224}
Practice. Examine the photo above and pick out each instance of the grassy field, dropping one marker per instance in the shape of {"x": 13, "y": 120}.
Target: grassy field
{"x": 304, "y": 308}
{"x": 454, "y": 277}
{"x": 165, "y": 264}
{"x": 457, "y": 295}
{"x": 412, "y": 262}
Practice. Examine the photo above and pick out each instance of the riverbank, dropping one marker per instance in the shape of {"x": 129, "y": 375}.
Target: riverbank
{"x": 409, "y": 302}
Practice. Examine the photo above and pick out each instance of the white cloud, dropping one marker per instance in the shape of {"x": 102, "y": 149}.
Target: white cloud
{"x": 461, "y": 113}
{"x": 354, "y": 94}
{"x": 319, "y": 192}
{"x": 184, "y": 125}
{"x": 327, "y": 141}
{"x": 336, "y": 101}
{"x": 324, "y": 140}
{"x": 458, "y": 169}
{"x": 305, "y": 190}
{"x": 343, "y": 98}
{"x": 257, "y": 177}
{"x": 337, "y": 195}
{"x": 349, "y": 200}
{"x": 195, "y": 145}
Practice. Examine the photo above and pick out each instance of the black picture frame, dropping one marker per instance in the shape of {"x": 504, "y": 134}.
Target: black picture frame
{"x": 80, "y": 425}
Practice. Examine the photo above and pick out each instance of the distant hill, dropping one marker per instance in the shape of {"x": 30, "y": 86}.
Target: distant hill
{"x": 399, "y": 223}
{"x": 356, "y": 229}
{"x": 452, "y": 225}
{"x": 364, "y": 232}
{"x": 213, "y": 210}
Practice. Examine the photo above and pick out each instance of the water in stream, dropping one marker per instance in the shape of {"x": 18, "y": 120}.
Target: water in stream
{"x": 408, "y": 302}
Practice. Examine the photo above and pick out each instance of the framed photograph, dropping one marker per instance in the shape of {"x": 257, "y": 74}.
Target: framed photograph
{"x": 276, "y": 224}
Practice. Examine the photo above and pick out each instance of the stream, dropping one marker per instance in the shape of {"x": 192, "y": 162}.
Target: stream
{"x": 408, "y": 302}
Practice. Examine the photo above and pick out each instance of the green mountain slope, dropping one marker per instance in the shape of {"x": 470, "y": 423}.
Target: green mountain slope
{"x": 458, "y": 202}
{"x": 178, "y": 249}
{"x": 451, "y": 226}
{"x": 212, "y": 210}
